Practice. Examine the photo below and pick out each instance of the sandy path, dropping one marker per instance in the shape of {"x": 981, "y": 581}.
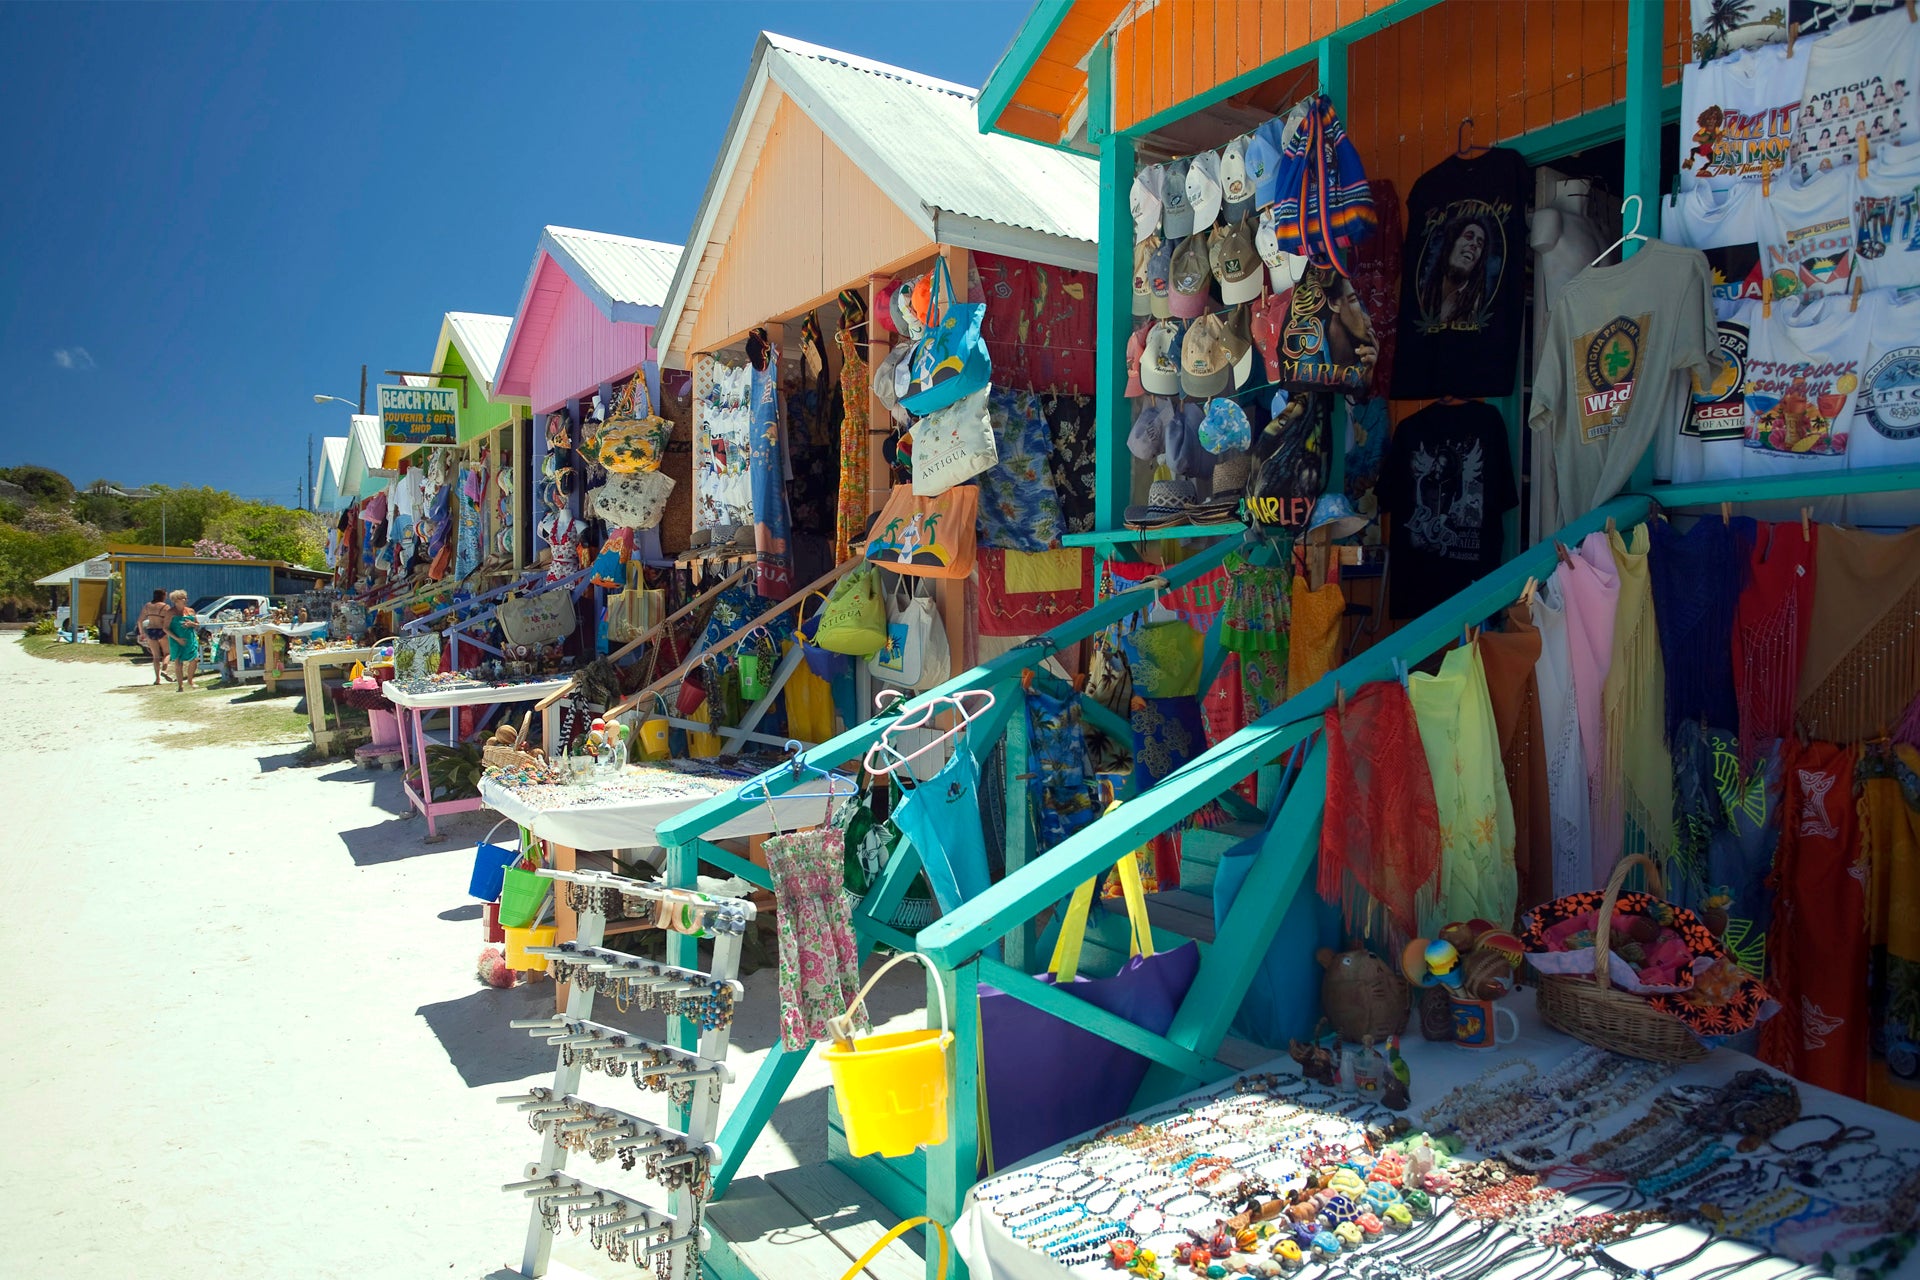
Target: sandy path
{"x": 242, "y": 1035}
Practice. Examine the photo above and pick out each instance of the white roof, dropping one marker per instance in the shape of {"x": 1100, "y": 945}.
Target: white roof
{"x": 918, "y": 139}
{"x": 333, "y": 456}
{"x": 617, "y": 272}
{"x": 480, "y": 340}
{"x": 93, "y": 567}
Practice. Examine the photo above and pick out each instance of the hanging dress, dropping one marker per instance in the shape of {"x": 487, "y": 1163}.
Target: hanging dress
{"x": 819, "y": 958}
{"x": 1590, "y": 587}
{"x": 1509, "y": 658}
{"x": 1889, "y": 787}
{"x": 852, "y": 526}
{"x": 1697, "y": 577}
{"x": 1462, "y": 745}
{"x": 1770, "y": 631}
{"x": 1638, "y": 773}
{"x": 1313, "y": 641}
{"x": 1566, "y": 766}
{"x": 772, "y": 543}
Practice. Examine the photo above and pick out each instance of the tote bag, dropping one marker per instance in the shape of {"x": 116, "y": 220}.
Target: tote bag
{"x": 852, "y": 621}
{"x": 536, "y": 621}
{"x": 950, "y": 358}
{"x": 633, "y": 439}
{"x": 1047, "y": 1079}
{"x": 632, "y": 501}
{"x": 954, "y": 445}
{"x": 932, "y": 537}
{"x": 916, "y": 653}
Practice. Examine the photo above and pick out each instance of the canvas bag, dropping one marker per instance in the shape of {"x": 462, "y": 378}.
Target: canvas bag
{"x": 1046, "y": 1079}
{"x": 632, "y": 611}
{"x": 916, "y": 653}
{"x": 536, "y": 621}
{"x": 633, "y": 440}
{"x": 852, "y": 621}
{"x": 953, "y": 445}
{"x": 633, "y": 500}
{"x": 929, "y": 537}
{"x": 950, "y": 358}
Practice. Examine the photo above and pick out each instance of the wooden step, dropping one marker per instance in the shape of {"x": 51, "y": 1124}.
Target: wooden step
{"x": 805, "y": 1224}
{"x": 1187, "y": 912}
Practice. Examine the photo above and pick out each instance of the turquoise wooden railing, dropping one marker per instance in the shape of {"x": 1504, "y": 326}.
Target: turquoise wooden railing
{"x": 1184, "y": 1055}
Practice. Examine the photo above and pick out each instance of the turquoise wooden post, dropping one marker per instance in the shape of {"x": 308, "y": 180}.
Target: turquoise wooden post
{"x": 1020, "y": 835}
{"x": 1113, "y": 466}
{"x": 953, "y": 1165}
{"x": 1642, "y": 175}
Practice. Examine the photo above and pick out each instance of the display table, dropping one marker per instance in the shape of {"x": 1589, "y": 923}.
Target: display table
{"x": 314, "y": 665}
{"x": 413, "y": 708}
{"x": 991, "y": 1251}
{"x": 273, "y": 640}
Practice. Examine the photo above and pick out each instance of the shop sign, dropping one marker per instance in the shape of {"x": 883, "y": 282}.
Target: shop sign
{"x": 420, "y": 415}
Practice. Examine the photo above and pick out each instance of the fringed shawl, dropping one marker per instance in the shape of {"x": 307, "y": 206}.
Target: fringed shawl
{"x": 1863, "y": 654}
{"x": 1637, "y": 774}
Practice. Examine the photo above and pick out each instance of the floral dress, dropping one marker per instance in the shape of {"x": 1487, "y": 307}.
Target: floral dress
{"x": 819, "y": 959}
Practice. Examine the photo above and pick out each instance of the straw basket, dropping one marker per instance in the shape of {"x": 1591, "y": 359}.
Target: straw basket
{"x": 1594, "y": 1010}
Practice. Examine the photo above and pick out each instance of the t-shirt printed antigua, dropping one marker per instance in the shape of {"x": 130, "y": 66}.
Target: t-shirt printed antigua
{"x": 1463, "y": 278}
{"x": 1816, "y": 16}
{"x": 1886, "y": 414}
{"x": 1886, "y": 231}
{"x": 1808, "y": 245}
{"x": 1713, "y": 422}
{"x": 1803, "y": 375}
{"x": 1724, "y": 224}
{"x": 1862, "y": 78}
{"x": 1738, "y": 113}
{"x": 1720, "y": 28}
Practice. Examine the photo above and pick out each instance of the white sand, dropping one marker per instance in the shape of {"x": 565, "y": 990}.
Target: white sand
{"x": 242, "y": 1035}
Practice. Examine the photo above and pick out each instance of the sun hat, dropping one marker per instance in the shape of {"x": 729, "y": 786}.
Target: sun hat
{"x": 1187, "y": 292}
{"x": 1185, "y": 452}
{"x": 1336, "y": 516}
{"x": 1142, "y": 276}
{"x": 1205, "y": 369}
{"x": 1160, "y": 364}
{"x": 1224, "y": 427}
{"x": 1230, "y": 476}
{"x": 1203, "y": 189}
{"x": 1147, "y": 437}
{"x": 1176, "y": 222}
{"x": 1235, "y": 265}
{"x": 1237, "y": 325}
{"x": 1159, "y": 270}
{"x": 1136, "y": 348}
{"x": 883, "y": 305}
{"x": 1145, "y": 201}
{"x": 1236, "y": 185}
{"x": 1168, "y": 502}
{"x": 920, "y": 305}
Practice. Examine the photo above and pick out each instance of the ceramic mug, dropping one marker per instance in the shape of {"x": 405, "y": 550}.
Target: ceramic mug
{"x": 1476, "y": 1025}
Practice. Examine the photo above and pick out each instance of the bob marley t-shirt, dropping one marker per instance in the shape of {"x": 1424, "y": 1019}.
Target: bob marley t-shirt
{"x": 1462, "y": 278}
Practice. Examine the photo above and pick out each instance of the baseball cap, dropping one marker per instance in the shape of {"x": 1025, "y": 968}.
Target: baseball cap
{"x": 1237, "y": 325}
{"x": 1187, "y": 294}
{"x": 1287, "y": 267}
{"x": 1160, "y": 362}
{"x": 1224, "y": 427}
{"x": 1186, "y": 454}
{"x": 1235, "y": 265}
{"x": 1142, "y": 279}
{"x": 1145, "y": 201}
{"x": 1177, "y": 221}
{"x": 1263, "y": 162}
{"x": 1203, "y": 189}
{"x": 1147, "y": 437}
{"x": 1159, "y": 270}
{"x": 1205, "y": 369}
{"x": 1236, "y": 186}
{"x": 1136, "y": 348}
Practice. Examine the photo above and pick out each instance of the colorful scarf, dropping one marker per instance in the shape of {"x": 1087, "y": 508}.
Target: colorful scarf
{"x": 1770, "y": 632}
{"x": 1888, "y": 780}
{"x": 1637, "y": 771}
{"x": 772, "y": 544}
{"x": 1863, "y": 649}
{"x": 1726, "y": 824}
{"x": 1697, "y": 580}
{"x": 1509, "y": 658}
{"x": 1455, "y": 715}
{"x": 1380, "y": 841}
{"x": 1324, "y": 206}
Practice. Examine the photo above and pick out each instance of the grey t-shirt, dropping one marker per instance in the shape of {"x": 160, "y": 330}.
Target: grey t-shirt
{"x": 1621, "y": 346}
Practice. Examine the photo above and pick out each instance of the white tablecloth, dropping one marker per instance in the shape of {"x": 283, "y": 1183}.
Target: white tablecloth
{"x": 628, "y": 815}
{"x": 331, "y": 657}
{"x": 991, "y": 1253}
{"x": 475, "y": 696}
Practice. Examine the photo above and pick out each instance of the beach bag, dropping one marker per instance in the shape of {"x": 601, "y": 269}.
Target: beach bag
{"x": 632, "y": 501}
{"x": 633, "y": 440}
{"x": 949, "y": 358}
{"x": 1046, "y": 1079}
{"x": 822, "y": 662}
{"x": 916, "y": 653}
{"x": 632, "y": 611}
{"x": 852, "y": 621}
{"x": 536, "y": 621}
{"x": 757, "y": 661}
{"x": 930, "y": 537}
{"x": 953, "y": 445}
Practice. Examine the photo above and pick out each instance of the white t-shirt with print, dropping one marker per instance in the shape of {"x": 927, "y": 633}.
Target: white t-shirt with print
{"x": 1886, "y": 415}
{"x": 1710, "y": 441}
{"x": 1809, "y": 250}
{"x": 1725, "y": 224}
{"x": 1720, "y": 29}
{"x": 1886, "y": 230}
{"x": 1803, "y": 376}
{"x": 1758, "y": 95}
{"x": 1865, "y": 74}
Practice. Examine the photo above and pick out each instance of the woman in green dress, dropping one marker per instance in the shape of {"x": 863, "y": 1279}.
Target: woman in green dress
{"x": 183, "y": 642}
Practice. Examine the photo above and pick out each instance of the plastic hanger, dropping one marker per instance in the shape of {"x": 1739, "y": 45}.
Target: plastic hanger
{"x": 1464, "y": 148}
{"x": 875, "y": 761}
{"x": 1632, "y": 233}
{"x": 797, "y": 767}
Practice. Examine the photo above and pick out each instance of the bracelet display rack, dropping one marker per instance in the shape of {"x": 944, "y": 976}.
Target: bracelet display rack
{"x": 666, "y": 1240}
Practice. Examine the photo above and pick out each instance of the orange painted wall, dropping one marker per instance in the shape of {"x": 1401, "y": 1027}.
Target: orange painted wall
{"x": 811, "y": 224}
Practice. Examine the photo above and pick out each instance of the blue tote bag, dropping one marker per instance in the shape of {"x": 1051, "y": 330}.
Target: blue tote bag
{"x": 950, "y": 360}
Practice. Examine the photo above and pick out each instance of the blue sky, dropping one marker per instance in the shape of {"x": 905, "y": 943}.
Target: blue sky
{"x": 215, "y": 211}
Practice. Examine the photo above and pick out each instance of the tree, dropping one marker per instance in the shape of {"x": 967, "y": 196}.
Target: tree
{"x": 267, "y": 532}
{"x": 43, "y": 484}
{"x": 184, "y": 514}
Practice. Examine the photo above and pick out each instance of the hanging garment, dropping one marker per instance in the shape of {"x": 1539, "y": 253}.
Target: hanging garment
{"x": 1380, "y": 841}
{"x": 1817, "y": 958}
{"x": 814, "y": 417}
{"x": 1167, "y": 733}
{"x": 1509, "y": 658}
{"x": 819, "y": 958}
{"x": 1165, "y": 658}
{"x": 1726, "y": 827}
{"x": 1590, "y": 586}
{"x": 1638, "y": 773}
{"x": 1223, "y": 711}
{"x": 1263, "y": 681}
{"x": 1019, "y": 510}
{"x": 1889, "y": 787}
{"x": 1863, "y": 662}
{"x": 1770, "y": 632}
{"x": 1258, "y": 607}
{"x": 1066, "y": 795}
{"x": 1697, "y": 579}
{"x": 1313, "y": 640}
{"x": 466, "y": 556}
{"x": 1455, "y": 715}
{"x": 773, "y": 552}
{"x": 941, "y": 817}
{"x": 851, "y": 526}
{"x": 1565, "y": 763}
{"x": 809, "y": 705}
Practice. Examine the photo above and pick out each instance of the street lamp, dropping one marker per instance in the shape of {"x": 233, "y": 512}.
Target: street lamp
{"x": 318, "y": 399}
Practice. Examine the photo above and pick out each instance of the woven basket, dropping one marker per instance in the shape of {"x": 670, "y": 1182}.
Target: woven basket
{"x": 498, "y": 757}
{"x": 1594, "y": 1010}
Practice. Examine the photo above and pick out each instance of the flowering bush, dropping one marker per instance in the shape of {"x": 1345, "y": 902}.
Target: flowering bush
{"x": 208, "y": 549}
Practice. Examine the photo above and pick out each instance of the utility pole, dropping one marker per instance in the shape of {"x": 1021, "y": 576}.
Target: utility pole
{"x": 363, "y": 390}
{"x": 307, "y": 504}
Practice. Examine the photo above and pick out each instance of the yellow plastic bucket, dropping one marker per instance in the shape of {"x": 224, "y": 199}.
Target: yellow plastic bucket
{"x": 892, "y": 1089}
{"x": 518, "y": 940}
{"x": 653, "y": 733}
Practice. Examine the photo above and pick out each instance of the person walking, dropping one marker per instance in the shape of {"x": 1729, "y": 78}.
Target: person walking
{"x": 183, "y": 641}
{"x": 151, "y": 630}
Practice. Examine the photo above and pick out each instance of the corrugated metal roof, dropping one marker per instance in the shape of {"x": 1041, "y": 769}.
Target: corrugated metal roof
{"x": 481, "y": 340}
{"x": 333, "y": 453}
{"x": 92, "y": 567}
{"x": 620, "y": 270}
{"x": 926, "y": 132}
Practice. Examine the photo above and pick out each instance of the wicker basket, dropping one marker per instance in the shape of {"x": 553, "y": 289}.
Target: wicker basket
{"x": 1594, "y": 1010}
{"x": 499, "y": 757}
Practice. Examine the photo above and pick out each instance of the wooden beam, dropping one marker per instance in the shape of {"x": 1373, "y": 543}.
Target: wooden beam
{"x": 655, "y": 630}
{"x": 954, "y": 1165}
{"x": 1112, "y": 464}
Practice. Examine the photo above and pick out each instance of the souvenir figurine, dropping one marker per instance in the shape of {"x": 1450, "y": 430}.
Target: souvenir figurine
{"x": 1362, "y": 995}
{"x": 1397, "y": 1094}
{"x": 1316, "y": 1062}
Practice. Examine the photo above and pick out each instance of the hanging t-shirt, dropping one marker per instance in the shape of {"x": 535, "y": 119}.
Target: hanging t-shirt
{"x": 1808, "y": 246}
{"x": 1038, "y": 325}
{"x": 1803, "y": 376}
{"x": 1738, "y": 113}
{"x": 1886, "y": 414}
{"x": 1720, "y": 28}
{"x": 1886, "y": 230}
{"x": 1713, "y": 423}
{"x": 1447, "y": 481}
{"x": 1622, "y": 346}
{"x": 1725, "y": 224}
{"x": 1862, "y": 76}
{"x": 1815, "y": 16}
{"x": 1462, "y": 278}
